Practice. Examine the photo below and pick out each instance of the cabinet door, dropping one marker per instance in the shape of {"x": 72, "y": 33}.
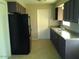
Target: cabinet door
{"x": 76, "y": 11}
{"x": 16, "y": 7}
{"x": 57, "y": 42}
{"x": 52, "y": 36}
{"x": 14, "y": 33}
{"x": 71, "y": 11}
{"x": 66, "y": 11}
{"x": 24, "y": 34}
{"x": 62, "y": 47}
{"x": 11, "y": 7}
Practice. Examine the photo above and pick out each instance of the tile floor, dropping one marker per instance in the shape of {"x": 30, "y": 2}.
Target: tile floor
{"x": 40, "y": 49}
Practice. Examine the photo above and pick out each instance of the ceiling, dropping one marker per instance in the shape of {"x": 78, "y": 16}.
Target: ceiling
{"x": 24, "y": 2}
{"x": 35, "y": 1}
{"x": 40, "y": 1}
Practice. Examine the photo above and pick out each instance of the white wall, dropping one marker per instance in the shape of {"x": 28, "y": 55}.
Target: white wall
{"x": 31, "y": 9}
{"x": 4, "y": 31}
{"x": 43, "y": 17}
{"x": 52, "y": 21}
{"x": 22, "y": 2}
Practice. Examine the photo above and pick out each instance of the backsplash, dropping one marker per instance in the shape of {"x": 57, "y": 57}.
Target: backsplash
{"x": 53, "y": 23}
{"x": 71, "y": 26}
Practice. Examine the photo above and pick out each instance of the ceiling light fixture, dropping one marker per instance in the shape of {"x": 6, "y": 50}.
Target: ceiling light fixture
{"x": 39, "y": 0}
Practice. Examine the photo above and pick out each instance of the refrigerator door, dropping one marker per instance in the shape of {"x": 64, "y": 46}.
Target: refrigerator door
{"x": 25, "y": 33}
{"x": 14, "y": 33}
{"x": 19, "y": 34}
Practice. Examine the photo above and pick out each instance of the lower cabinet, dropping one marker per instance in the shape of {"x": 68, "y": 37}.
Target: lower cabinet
{"x": 67, "y": 49}
{"x": 59, "y": 43}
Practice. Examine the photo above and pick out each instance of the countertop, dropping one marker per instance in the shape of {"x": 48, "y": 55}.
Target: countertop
{"x": 66, "y": 34}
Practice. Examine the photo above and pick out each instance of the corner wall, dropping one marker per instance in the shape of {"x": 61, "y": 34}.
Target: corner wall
{"x": 31, "y": 10}
{"x": 5, "y": 50}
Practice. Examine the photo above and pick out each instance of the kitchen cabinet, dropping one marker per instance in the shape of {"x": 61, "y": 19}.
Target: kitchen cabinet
{"x": 66, "y": 48}
{"x": 66, "y": 11}
{"x": 76, "y": 11}
{"x": 59, "y": 43}
{"x": 16, "y": 7}
{"x": 71, "y": 11}
{"x": 54, "y": 39}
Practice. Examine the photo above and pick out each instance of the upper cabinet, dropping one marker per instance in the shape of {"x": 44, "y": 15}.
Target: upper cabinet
{"x": 76, "y": 10}
{"x": 66, "y": 11}
{"x": 71, "y": 11}
{"x": 16, "y": 7}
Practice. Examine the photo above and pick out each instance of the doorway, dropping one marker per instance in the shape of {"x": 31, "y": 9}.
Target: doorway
{"x": 43, "y": 16}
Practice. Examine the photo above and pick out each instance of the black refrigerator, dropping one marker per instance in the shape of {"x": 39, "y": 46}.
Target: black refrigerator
{"x": 19, "y": 33}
